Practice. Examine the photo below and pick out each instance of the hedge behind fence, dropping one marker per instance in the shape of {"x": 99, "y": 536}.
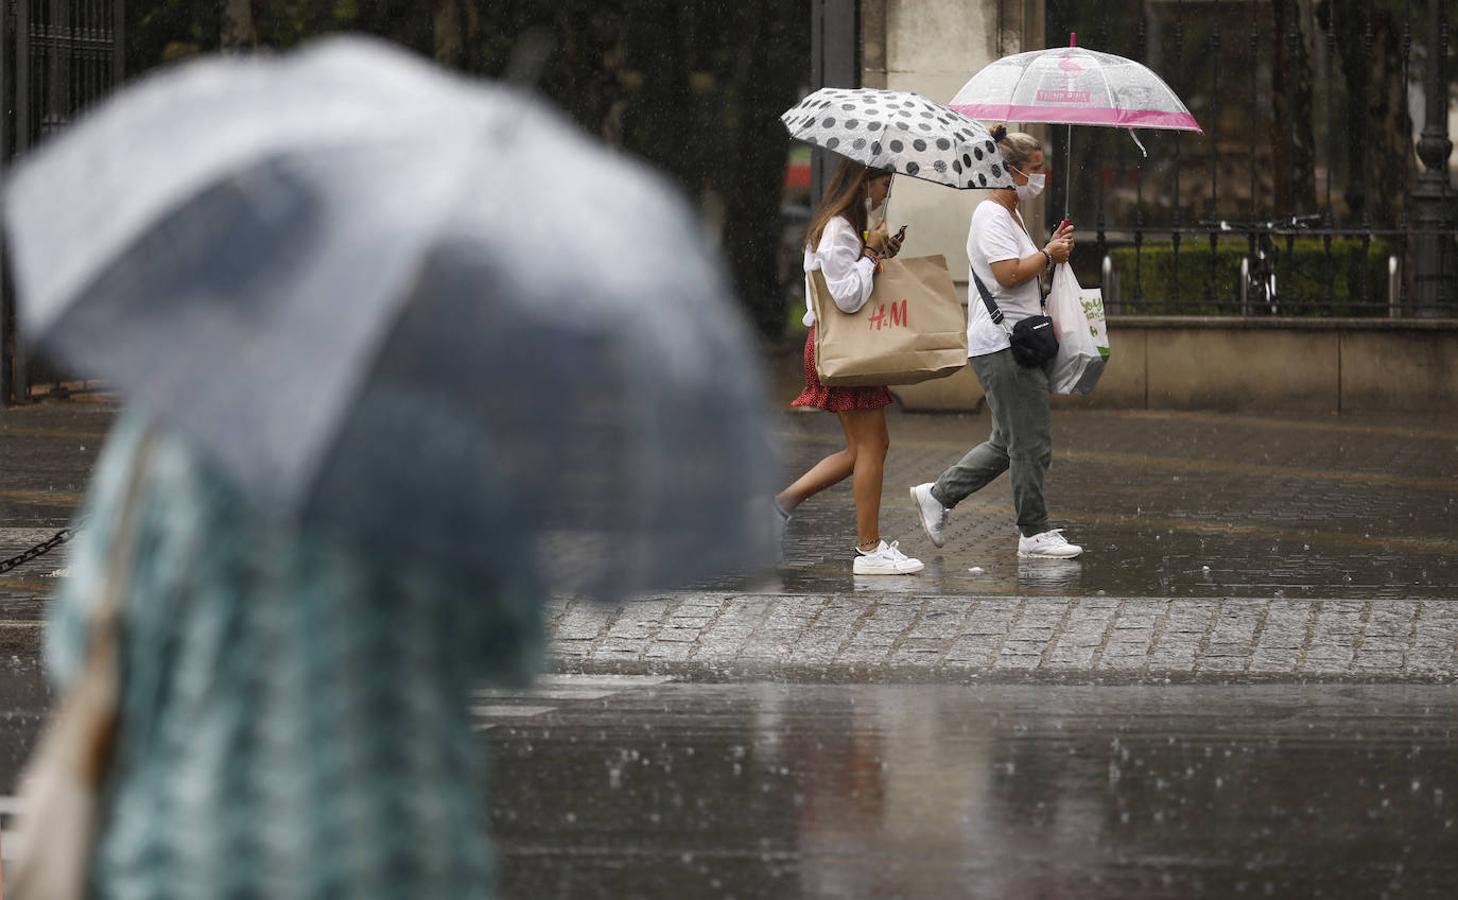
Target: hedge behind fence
{"x": 1305, "y": 278}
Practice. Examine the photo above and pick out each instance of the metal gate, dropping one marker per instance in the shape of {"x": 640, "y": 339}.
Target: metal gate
{"x": 1322, "y": 185}
{"x": 57, "y": 57}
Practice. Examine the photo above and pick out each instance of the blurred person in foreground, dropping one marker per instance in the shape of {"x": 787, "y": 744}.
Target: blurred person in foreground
{"x": 293, "y": 718}
{"x": 317, "y": 527}
{"x": 849, "y": 253}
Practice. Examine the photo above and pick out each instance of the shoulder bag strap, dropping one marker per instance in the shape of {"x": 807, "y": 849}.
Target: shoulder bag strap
{"x": 987, "y": 300}
{"x": 61, "y": 788}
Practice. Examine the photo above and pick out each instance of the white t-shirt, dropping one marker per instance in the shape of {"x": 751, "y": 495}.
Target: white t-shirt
{"x": 993, "y": 237}
{"x": 848, "y": 272}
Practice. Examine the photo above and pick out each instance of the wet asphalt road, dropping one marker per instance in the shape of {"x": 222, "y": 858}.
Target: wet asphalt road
{"x": 752, "y": 790}
{"x": 634, "y": 787}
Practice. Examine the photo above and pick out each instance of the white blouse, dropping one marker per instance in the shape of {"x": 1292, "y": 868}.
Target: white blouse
{"x": 848, "y": 272}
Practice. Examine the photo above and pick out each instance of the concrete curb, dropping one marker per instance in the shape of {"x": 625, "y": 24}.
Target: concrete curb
{"x": 719, "y": 636}
{"x": 850, "y": 674}
{"x": 727, "y": 636}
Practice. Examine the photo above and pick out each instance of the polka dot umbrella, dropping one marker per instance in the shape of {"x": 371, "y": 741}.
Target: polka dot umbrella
{"x": 900, "y": 131}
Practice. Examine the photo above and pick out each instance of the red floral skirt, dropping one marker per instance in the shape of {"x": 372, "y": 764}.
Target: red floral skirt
{"x": 836, "y": 399}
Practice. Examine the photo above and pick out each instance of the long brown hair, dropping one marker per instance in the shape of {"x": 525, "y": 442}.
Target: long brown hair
{"x": 844, "y": 196}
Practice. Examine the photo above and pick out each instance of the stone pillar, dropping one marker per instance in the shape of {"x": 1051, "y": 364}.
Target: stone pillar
{"x": 932, "y": 47}
{"x": 834, "y": 54}
{"x": 1434, "y": 279}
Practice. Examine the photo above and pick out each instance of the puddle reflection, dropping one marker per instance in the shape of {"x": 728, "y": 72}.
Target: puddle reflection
{"x": 1012, "y": 792}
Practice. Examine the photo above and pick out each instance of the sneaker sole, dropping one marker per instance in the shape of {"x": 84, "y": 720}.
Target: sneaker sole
{"x": 889, "y": 571}
{"x": 921, "y": 518}
{"x": 1025, "y": 555}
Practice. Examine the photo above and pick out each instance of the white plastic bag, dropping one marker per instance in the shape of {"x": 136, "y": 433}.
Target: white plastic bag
{"x": 1083, "y": 337}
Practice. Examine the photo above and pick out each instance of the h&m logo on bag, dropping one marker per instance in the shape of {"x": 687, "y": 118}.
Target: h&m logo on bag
{"x": 897, "y": 318}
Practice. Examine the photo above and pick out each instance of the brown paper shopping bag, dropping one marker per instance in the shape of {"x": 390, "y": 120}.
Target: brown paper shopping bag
{"x": 913, "y": 328}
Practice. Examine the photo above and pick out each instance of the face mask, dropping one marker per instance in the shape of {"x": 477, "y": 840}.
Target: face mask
{"x": 1033, "y": 188}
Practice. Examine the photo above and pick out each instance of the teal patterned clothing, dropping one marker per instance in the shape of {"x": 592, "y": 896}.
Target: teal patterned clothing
{"x": 294, "y": 713}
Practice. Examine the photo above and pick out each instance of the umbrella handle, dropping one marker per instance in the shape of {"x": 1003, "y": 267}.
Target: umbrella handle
{"x": 1068, "y": 162}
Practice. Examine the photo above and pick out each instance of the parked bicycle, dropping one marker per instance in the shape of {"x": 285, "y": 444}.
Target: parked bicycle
{"x": 1258, "y": 287}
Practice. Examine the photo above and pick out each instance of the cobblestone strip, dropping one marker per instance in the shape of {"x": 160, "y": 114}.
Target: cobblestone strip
{"x": 983, "y": 633}
{"x": 731, "y": 629}
{"x": 686, "y": 620}
{"x": 878, "y": 633}
{"x": 1338, "y": 632}
{"x": 1233, "y": 638}
{"x": 1130, "y": 647}
{"x": 1282, "y": 641}
{"x": 1186, "y": 625}
{"x": 1434, "y": 647}
{"x": 855, "y": 636}
{"x": 1085, "y": 633}
{"x": 632, "y": 630}
{"x": 1032, "y": 633}
{"x": 931, "y": 635}
{"x": 579, "y": 626}
{"x": 778, "y": 637}
{"x": 1387, "y": 636}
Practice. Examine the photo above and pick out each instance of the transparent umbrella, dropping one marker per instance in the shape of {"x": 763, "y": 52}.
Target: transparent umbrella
{"x": 422, "y": 310}
{"x": 1073, "y": 86}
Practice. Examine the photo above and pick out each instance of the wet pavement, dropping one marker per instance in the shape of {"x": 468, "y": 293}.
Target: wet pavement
{"x": 1216, "y": 546}
{"x": 1165, "y": 505}
{"x": 756, "y": 790}
{"x": 634, "y": 787}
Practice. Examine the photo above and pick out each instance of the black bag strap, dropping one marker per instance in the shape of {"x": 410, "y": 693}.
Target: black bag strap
{"x": 987, "y": 300}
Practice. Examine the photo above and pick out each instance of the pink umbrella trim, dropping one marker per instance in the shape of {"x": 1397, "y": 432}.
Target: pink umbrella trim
{"x": 1056, "y": 115}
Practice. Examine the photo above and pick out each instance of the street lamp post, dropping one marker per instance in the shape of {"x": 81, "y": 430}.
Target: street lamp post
{"x": 1434, "y": 279}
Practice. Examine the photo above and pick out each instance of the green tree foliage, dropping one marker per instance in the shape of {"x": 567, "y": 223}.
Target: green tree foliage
{"x": 695, "y": 87}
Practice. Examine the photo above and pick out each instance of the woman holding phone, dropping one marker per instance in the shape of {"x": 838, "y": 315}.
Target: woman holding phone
{"x": 1005, "y": 260}
{"x": 848, "y": 251}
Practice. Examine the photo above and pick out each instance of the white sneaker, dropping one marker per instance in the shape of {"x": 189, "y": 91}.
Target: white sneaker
{"x": 886, "y": 559}
{"x": 1048, "y": 545}
{"x": 930, "y": 512}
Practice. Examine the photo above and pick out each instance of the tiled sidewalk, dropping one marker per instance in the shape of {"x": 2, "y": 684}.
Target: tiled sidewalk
{"x": 892, "y": 636}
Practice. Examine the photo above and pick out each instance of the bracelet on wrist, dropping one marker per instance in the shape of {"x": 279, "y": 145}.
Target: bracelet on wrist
{"x": 1048, "y": 257}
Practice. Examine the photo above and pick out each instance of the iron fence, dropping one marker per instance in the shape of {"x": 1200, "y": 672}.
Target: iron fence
{"x": 57, "y": 57}
{"x": 1311, "y": 191}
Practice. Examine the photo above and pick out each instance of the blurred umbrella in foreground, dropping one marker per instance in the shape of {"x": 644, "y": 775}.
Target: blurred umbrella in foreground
{"x": 421, "y": 310}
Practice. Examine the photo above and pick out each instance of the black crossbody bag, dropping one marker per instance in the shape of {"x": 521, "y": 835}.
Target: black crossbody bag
{"x": 1033, "y": 340}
